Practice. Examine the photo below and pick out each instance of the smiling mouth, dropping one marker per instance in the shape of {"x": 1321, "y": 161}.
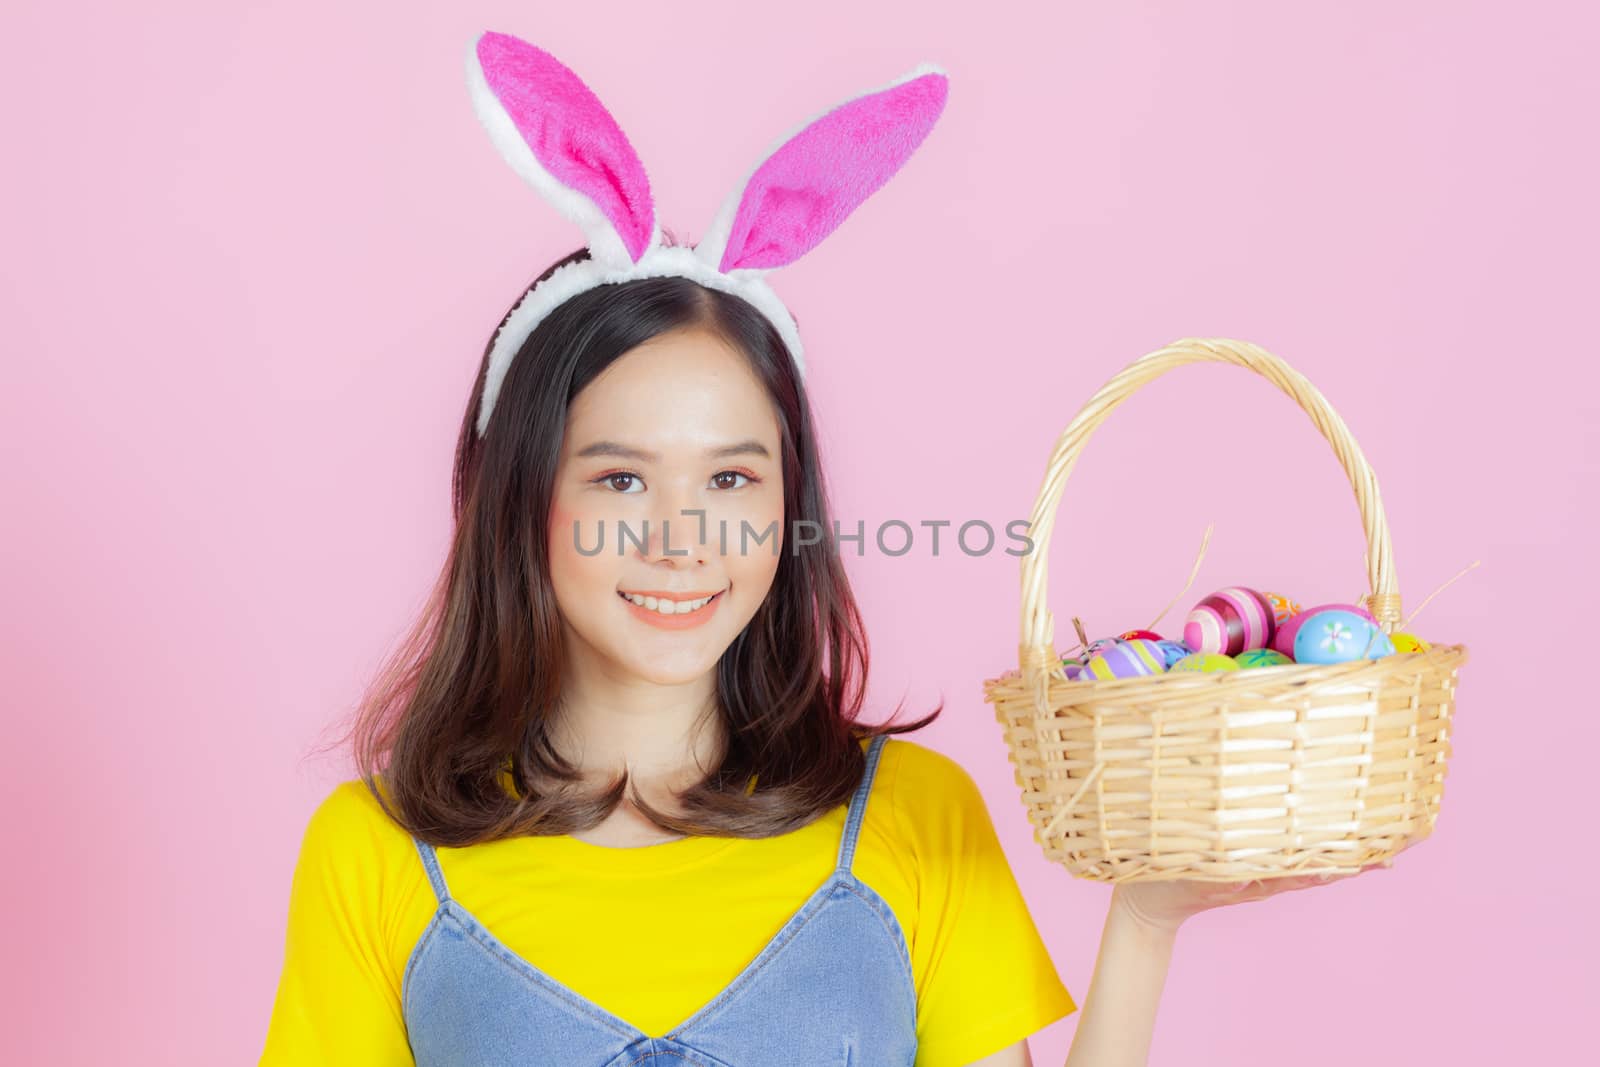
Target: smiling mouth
{"x": 662, "y": 606}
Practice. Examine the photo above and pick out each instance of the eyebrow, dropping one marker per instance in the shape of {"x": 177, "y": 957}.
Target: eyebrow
{"x": 751, "y": 447}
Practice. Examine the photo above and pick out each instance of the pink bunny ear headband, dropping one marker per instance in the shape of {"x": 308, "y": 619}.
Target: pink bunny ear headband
{"x": 557, "y": 135}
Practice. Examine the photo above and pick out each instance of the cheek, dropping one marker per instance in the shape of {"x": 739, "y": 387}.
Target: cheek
{"x": 570, "y": 567}
{"x": 751, "y": 534}
{"x": 561, "y": 521}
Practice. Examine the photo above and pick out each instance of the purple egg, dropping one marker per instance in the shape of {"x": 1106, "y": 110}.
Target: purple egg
{"x": 1127, "y": 659}
{"x": 1097, "y": 647}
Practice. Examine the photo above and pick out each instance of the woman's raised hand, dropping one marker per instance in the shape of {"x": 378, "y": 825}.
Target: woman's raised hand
{"x": 1165, "y": 905}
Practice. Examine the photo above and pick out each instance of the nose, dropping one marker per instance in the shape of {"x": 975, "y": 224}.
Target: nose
{"x": 679, "y": 530}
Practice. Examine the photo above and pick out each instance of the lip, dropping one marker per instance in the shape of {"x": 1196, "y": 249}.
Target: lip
{"x": 669, "y": 594}
{"x": 672, "y": 622}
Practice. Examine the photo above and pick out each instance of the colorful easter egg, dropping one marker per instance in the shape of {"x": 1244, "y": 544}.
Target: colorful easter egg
{"x": 1230, "y": 621}
{"x": 1283, "y": 609}
{"x": 1141, "y": 635}
{"x": 1261, "y": 657}
{"x": 1205, "y": 663}
{"x": 1409, "y": 643}
{"x": 1097, "y": 647}
{"x": 1127, "y": 659}
{"x": 1174, "y": 650}
{"x": 1075, "y": 671}
{"x": 1284, "y": 641}
{"x": 1335, "y": 635}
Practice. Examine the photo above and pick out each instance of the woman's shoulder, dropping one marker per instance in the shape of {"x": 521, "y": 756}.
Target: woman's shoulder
{"x": 929, "y": 828}
{"x": 927, "y": 788}
{"x": 350, "y": 820}
{"x": 915, "y": 766}
{"x": 359, "y": 900}
{"x": 352, "y": 802}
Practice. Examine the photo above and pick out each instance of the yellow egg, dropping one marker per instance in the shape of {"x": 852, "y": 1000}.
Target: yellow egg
{"x": 1408, "y": 643}
{"x": 1205, "y": 663}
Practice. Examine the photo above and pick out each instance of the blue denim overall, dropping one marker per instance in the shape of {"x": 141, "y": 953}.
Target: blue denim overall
{"x": 832, "y": 988}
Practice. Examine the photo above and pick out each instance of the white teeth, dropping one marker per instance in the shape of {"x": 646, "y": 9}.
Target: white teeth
{"x": 667, "y": 607}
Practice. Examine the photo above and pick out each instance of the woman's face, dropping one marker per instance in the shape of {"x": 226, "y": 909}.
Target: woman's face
{"x": 675, "y": 427}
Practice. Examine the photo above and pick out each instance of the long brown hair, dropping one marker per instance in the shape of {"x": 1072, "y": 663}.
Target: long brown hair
{"x": 455, "y": 723}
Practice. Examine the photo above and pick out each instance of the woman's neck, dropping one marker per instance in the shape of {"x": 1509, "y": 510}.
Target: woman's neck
{"x": 665, "y": 737}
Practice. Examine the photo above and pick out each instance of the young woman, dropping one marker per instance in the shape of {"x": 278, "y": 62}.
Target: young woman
{"x": 615, "y": 805}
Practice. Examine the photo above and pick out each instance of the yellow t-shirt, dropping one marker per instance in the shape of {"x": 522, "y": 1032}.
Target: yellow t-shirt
{"x": 684, "y": 916}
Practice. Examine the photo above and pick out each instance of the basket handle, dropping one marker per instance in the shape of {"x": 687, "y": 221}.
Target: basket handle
{"x": 1037, "y": 647}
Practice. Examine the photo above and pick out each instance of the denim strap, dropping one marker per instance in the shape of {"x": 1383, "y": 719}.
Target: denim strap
{"x": 435, "y": 876}
{"x": 858, "y": 804}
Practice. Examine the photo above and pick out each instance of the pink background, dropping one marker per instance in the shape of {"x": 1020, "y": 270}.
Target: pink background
{"x": 251, "y": 258}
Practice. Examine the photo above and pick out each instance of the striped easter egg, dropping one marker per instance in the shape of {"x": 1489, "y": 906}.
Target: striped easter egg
{"x": 1097, "y": 647}
{"x": 1140, "y": 635}
{"x": 1230, "y": 621}
{"x": 1127, "y": 659}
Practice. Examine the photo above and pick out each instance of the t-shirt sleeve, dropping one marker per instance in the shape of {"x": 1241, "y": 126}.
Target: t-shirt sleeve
{"x": 338, "y": 1000}
{"x": 985, "y": 977}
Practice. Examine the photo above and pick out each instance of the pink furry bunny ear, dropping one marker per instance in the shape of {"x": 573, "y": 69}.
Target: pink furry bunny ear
{"x": 557, "y": 135}
{"x": 813, "y": 180}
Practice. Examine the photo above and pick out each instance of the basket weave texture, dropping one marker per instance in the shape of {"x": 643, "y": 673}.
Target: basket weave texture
{"x": 1236, "y": 775}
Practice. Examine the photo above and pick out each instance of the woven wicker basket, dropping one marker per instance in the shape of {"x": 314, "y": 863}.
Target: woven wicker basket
{"x": 1235, "y": 775}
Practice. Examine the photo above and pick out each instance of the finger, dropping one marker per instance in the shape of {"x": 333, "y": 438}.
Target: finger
{"x": 1308, "y": 881}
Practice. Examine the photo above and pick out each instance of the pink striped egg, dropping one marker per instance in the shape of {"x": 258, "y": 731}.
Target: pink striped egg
{"x": 1230, "y": 621}
{"x": 1284, "y": 641}
{"x": 1128, "y": 659}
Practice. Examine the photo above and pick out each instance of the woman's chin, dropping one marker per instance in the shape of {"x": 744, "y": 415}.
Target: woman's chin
{"x": 672, "y": 662}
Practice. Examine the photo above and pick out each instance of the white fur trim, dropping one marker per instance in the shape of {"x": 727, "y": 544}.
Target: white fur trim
{"x": 658, "y": 262}
{"x": 715, "y": 242}
{"x": 605, "y": 244}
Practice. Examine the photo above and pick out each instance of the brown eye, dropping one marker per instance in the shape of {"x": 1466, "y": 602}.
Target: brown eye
{"x": 622, "y": 477}
{"x": 727, "y": 474}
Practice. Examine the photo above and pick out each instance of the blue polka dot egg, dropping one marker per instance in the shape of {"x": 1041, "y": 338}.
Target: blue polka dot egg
{"x": 1334, "y": 635}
